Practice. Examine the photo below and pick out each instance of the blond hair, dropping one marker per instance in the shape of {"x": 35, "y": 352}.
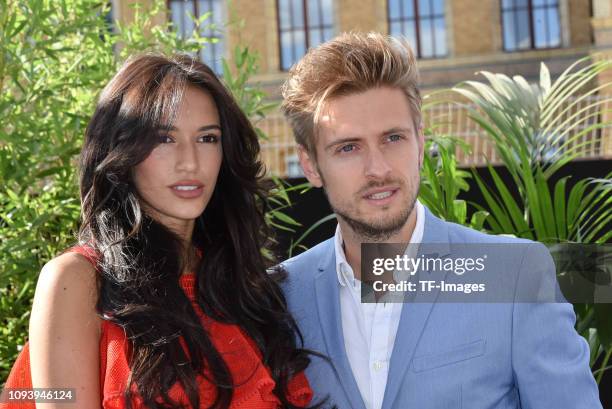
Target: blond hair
{"x": 350, "y": 63}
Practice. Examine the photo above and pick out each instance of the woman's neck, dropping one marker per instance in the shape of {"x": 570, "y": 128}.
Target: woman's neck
{"x": 190, "y": 257}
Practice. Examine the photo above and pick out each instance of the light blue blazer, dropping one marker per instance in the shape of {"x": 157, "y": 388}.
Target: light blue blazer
{"x": 448, "y": 356}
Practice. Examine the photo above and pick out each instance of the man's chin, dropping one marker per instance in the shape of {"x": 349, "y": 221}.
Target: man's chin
{"x": 375, "y": 229}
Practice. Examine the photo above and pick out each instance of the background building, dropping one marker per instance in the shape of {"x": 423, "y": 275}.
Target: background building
{"x": 452, "y": 38}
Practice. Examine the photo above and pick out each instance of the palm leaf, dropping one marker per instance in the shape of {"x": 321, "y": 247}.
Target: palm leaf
{"x": 537, "y": 129}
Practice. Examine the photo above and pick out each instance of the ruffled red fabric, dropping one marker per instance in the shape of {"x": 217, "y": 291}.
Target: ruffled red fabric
{"x": 243, "y": 358}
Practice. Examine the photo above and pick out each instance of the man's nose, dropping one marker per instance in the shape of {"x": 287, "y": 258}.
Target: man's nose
{"x": 377, "y": 165}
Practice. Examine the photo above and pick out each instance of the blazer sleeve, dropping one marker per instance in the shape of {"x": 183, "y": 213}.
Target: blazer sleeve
{"x": 550, "y": 359}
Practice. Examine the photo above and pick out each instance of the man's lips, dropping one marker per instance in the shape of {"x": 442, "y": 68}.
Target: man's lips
{"x": 380, "y": 193}
{"x": 381, "y": 196}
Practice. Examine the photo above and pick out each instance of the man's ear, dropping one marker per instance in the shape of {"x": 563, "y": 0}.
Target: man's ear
{"x": 309, "y": 166}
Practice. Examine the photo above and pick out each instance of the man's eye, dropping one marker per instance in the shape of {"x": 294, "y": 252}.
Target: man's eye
{"x": 208, "y": 139}
{"x": 347, "y": 148}
{"x": 394, "y": 137}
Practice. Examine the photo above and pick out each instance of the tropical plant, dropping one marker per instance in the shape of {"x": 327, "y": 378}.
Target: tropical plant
{"x": 537, "y": 129}
{"x": 442, "y": 181}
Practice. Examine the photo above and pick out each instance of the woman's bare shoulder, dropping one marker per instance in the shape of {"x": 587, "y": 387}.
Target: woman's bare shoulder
{"x": 67, "y": 285}
{"x": 69, "y": 270}
{"x": 65, "y": 328}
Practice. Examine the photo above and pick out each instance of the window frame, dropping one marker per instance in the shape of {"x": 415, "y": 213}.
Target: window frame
{"x": 432, "y": 16}
{"x": 321, "y": 26}
{"x": 196, "y": 10}
{"x": 531, "y": 25}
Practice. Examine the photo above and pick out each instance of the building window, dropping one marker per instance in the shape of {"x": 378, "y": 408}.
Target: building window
{"x": 422, "y": 23}
{"x": 182, "y": 13}
{"x": 302, "y": 24}
{"x": 292, "y": 164}
{"x": 109, "y": 17}
{"x": 530, "y": 24}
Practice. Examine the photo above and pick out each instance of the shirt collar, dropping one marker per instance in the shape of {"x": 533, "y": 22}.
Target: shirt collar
{"x": 343, "y": 268}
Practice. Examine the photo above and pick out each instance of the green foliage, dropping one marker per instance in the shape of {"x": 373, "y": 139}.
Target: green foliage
{"x": 55, "y": 58}
{"x": 539, "y": 125}
{"x": 442, "y": 182}
{"x": 250, "y": 97}
{"x": 297, "y": 244}
{"x": 537, "y": 129}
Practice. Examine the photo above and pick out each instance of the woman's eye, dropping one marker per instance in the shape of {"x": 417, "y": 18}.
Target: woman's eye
{"x": 208, "y": 139}
{"x": 165, "y": 139}
{"x": 347, "y": 148}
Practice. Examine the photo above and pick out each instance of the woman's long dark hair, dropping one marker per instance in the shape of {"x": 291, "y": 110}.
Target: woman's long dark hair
{"x": 140, "y": 260}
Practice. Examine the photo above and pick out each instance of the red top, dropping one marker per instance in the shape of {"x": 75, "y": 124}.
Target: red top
{"x": 241, "y": 355}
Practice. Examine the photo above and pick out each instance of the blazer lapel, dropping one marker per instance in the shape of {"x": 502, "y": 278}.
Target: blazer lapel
{"x": 415, "y": 314}
{"x": 328, "y": 304}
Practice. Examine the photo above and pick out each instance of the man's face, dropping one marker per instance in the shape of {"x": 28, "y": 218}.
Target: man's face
{"x": 368, "y": 157}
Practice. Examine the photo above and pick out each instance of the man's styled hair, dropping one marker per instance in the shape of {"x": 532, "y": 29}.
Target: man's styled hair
{"x": 350, "y": 63}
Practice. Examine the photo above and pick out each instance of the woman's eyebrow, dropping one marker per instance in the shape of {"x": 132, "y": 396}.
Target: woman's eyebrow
{"x": 202, "y": 128}
{"x": 207, "y": 127}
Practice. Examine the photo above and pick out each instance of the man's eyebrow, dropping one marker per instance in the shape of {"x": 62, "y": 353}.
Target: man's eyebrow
{"x": 341, "y": 141}
{"x": 397, "y": 129}
{"x": 200, "y": 129}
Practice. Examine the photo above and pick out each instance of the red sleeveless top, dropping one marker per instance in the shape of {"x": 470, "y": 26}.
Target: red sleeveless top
{"x": 241, "y": 355}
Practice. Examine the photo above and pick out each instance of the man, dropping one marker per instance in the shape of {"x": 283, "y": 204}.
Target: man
{"x": 354, "y": 107}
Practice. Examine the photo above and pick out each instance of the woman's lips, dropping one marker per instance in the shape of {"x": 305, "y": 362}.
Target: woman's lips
{"x": 187, "y": 191}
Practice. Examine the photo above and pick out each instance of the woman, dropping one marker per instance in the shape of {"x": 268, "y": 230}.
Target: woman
{"x": 166, "y": 301}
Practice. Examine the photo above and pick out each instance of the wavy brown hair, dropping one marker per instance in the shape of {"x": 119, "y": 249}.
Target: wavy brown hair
{"x": 140, "y": 260}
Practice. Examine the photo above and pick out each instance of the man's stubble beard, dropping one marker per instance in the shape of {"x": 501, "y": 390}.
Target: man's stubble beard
{"x": 370, "y": 230}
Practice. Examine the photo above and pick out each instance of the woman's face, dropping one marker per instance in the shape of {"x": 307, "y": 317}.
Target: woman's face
{"x": 177, "y": 179}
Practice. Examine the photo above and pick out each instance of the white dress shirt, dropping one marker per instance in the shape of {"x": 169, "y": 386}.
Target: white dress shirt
{"x": 369, "y": 329}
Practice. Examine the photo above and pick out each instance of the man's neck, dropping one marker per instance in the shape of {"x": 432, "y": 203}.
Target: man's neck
{"x": 352, "y": 241}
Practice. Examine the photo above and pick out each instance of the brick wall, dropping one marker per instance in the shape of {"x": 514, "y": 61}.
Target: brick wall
{"x": 475, "y": 27}
{"x": 579, "y": 23}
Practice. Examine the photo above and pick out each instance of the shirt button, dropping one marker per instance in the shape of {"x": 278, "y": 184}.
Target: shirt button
{"x": 378, "y": 365}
